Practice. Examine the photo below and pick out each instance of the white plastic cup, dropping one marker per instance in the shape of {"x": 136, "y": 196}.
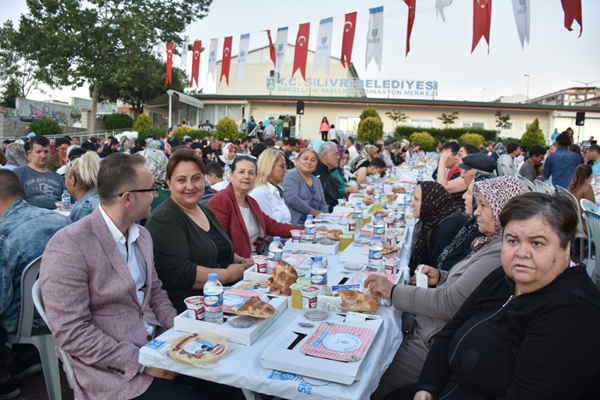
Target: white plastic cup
{"x": 297, "y": 235}
{"x": 195, "y": 306}
{"x": 309, "y": 297}
{"x": 261, "y": 264}
{"x": 390, "y": 264}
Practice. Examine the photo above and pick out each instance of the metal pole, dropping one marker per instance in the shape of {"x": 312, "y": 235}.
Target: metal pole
{"x": 170, "y": 108}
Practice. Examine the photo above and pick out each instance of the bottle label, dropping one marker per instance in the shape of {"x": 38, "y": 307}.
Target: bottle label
{"x": 375, "y": 254}
{"x": 318, "y": 279}
{"x": 213, "y": 302}
{"x": 275, "y": 255}
{"x": 379, "y": 229}
{"x": 358, "y": 215}
{"x": 310, "y": 230}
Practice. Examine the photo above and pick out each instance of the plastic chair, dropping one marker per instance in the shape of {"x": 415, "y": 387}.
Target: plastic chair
{"x": 512, "y": 171}
{"x": 39, "y": 304}
{"x": 526, "y": 182}
{"x": 594, "y": 226}
{"x": 579, "y": 233}
{"x": 501, "y": 169}
{"x": 542, "y": 187}
{"x": 44, "y": 343}
{"x": 587, "y": 205}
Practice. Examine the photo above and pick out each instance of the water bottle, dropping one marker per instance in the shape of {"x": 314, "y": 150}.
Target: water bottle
{"x": 213, "y": 300}
{"x": 378, "y": 226}
{"x": 358, "y": 219}
{"x": 318, "y": 275}
{"x": 407, "y": 198}
{"x": 227, "y": 171}
{"x": 309, "y": 228}
{"x": 275, "y": 254}
{"x": 66, "y": 200}
{"x": 375, "y": 254}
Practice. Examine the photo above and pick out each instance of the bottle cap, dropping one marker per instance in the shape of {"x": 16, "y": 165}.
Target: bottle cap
{"x": 375, "y": 237}
{"x": 319, "y": 258}
{"x": 65, "y": 191}
{"x": 213, "y": 276}
{"x": 378, "y": 216}
{"x": 276, "y": 239}
{"x": 309, "y": 217}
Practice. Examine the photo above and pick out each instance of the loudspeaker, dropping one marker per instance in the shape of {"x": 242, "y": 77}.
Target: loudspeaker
{"x": 580, "y": 119}
{"x": 300, "y": 108}
{"x": 272, "y": 74}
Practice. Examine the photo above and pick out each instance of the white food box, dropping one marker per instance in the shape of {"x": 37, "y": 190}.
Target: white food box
{"x": 283, "y": 354}
{"x": 316, "y": 247}
{"x": 245, "y": 336}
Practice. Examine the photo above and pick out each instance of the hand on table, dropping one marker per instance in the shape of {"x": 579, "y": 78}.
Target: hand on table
{"x": 423, "y": 395}
{"x": 160, "y": 373}
{"x": 433, "y": 275}
{"x": 236, "y": 271}
{"x": 378, "y": 285}
{"x": 351, "y": 189}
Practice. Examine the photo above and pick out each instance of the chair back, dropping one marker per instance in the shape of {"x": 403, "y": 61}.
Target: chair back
{"x": 542, "y": 187}
{"x": 28, "y": 278}
{"x": 501, "y": 169}
{"x": 593, "y": 220}
{"x": 587, "y": 205}
{"x": 580, "y": 232}
{"x": 526, "y": 182}
{"x": 512, "y": 171}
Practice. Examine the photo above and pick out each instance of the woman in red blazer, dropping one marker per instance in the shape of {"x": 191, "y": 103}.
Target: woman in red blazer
{"x": 240, "y": 215}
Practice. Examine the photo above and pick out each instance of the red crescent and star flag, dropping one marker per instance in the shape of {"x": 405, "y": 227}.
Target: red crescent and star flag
{"x": 169, "y": 62}
{"x": 226, "y": 60}
{"x": 482, "y": 19}
{"x": 196, "y": 62}
{"x": 301, "y": 51}
{"x": 271, "y": 47}
{"x": 412, "y": 4}
{"x": 348, "y": 39}
{"x": 572, "y": 10}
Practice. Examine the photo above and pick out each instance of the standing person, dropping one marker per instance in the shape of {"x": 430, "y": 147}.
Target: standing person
{"x": 41, "y": 187}
{"x": 561, "y": 164}
{"x": 287, "y": 127}
{"x": 536, "y": 157}
{"x": 594, "y": 156}
{"x": 270, "y": 130}
{"x": 554, "y": 135}
{"x": 243, "y": 126}
{"x": 251, "y": 125}
{"x": 279, "y": 127}
{"x": 324, "y": 129}
{"x": 333, "y": 134}
{"x": 101, "y": 293}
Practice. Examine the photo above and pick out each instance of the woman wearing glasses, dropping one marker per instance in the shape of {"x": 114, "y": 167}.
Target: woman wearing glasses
{"x": 81, "y": 177}
{"x": 267, "y": 190}
{"x": 189, "y": 241}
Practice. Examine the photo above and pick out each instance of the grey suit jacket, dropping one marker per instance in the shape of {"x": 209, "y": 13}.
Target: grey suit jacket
{"x": 296, "y": 194}
{"x": 93, "y": 311}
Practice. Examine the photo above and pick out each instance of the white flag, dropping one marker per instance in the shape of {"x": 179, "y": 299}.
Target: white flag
{"x": 439, "y": 7}
{"x": 375, "y": 36}
{"x": 184, "y": 51}
{"x": 522, "y": 18}
{"x": 280, "y": 47}
{"x": 212, "y": 58}
{"x": 156, "y": 47}
{"x": 323, "y": 53}
{"x": 240, "y": 71}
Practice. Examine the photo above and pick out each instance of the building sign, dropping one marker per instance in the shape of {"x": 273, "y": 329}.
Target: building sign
{"x": 382, "y": 88}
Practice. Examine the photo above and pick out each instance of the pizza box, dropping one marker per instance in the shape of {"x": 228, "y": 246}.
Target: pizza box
{"x": 283, "y": 354}
{"x": 316, "y": 247}
{"x": 245, "y": 336}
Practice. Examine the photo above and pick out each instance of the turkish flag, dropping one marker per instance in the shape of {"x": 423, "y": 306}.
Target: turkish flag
{"x": 169, "y": 62}
{"x": 271, "y": 47}
{"x": 412, "y": 4}
{"x": 196, "y": 62}
{"x": 226, "y": 60}
{"x": 572, "y": 10}
{"x": 301, "y": 50}
{"x": 482, "y": 19}
{"x": 348, "y": 38}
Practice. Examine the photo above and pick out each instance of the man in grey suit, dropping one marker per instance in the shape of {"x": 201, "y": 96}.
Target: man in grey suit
{"x": 102, "y": 296}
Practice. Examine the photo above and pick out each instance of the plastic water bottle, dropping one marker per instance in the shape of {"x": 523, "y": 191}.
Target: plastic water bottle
{"x": 318, "y": 275}
{"x": 407, "y": 198}
{"x": 378, "y": 226}
{"x": 66, "y": 200}
{"x": 227, "y": 171}
{"x": 309, "y": 228}
{"x": 275, "y": 254}
{"x": 358, "y": 218}
{"x": 213, "y": 300}
{"x": 375, "y": 254}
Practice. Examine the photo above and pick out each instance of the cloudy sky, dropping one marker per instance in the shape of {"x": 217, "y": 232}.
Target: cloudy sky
{"x": 440, "y": 50}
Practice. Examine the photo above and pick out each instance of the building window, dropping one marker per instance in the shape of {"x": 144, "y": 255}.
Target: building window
{"x": 527, "y": 123}
{"x": 473, "y": 124}
{"x": 421, "y": 123}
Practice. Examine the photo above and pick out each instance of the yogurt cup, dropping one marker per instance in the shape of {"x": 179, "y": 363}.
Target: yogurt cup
{"x": 342, "y": 202}
{"x": 390, "y": 264}
{"x": 58, "y": 205}
{"x": 309, "y": 297}
{"x": 296, "y": 235}
{"x": 261, "y": 264}
{"x": 195, "y": 306}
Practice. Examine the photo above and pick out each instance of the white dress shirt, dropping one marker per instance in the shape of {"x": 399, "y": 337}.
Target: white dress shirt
{"x": 132, "y": 258}
{"x": 271, "y": 202}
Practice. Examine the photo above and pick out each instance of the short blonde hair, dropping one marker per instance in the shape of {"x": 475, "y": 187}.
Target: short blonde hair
{"x": 266, "y": 162}
{"x": 85, "y": 170}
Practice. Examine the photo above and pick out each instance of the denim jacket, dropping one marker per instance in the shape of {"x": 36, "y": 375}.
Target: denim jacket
{"x": 24, "y": 232}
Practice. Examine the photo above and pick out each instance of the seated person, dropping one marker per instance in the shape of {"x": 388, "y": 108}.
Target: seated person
{"x": 439, "y": 221}
{"x": 473, "y": 164}
{"x": 267, "y": 190}
{"x": 214, "y": 174}
{"x": 81, "y": 177}
{"x": 328, "y": 162}
{"x": 581, "y": 186}
{"x": 228, "y": 153}
{"x": 59, "y": 159}
{"x": 427, "y": 310}
{"x": 376, "y": 167}
{"x": 302, "y": 190}
{"x": 25, "y": 230}
{"x": 510, "y": 335}
{"x": 156, "y": 161}
{"x": 41, "y": 186}
{"x": 189, "y": 241}
{"x": 536, "y": 156}
{"x": 448, "y": 172}
{"x": 240, "y": 215}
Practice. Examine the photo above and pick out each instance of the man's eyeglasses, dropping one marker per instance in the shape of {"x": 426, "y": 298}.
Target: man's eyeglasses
{"x": 153, "y": 189}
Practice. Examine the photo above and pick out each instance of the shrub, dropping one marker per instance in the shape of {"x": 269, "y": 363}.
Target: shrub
{"x": 227, "y": 129}
{"x": 370, "y": 128}
{"x": 369, "y": 112}
{"x": 143, "y": 122}
{"x": 472, "y": 138}
{"x": 182, "y": 131}
{"x": 533, "y": 135}
{"x": 424, "y": 140}
{"x": 151, "y": 132}
{"x": 119, "y": 121}
{"x": 446, "y": 133}
{"x": 45, "y": 126}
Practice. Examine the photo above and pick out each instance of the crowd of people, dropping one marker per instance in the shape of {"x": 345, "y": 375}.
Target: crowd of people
{"x": 153, "y": 217}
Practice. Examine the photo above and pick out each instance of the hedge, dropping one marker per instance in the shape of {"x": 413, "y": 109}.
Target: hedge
{"x": 45, "y": 126}
{"x": 119, "y": 121}
{"x": 443, "y": 133}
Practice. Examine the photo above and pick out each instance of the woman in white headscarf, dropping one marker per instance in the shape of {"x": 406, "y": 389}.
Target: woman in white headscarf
{"x": 228, "y": 155}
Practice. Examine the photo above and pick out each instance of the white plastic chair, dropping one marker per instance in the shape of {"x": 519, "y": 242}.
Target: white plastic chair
{"x": 526, "y": 182}
{"x": 44, "y": 343}
{"x": 579, "y": 233}
{"x": 587, "y": 205}
{"x": 512, "y": 171}
{"x": 594, "y": 226}
{"x": 542, "y": 187}
{"x": 501, "y": 169}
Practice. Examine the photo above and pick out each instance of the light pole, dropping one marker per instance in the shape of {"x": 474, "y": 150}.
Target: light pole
{"x": 483, "y": 89}
{"x": 528, "y": 77}
{"x": 586, "y": 86}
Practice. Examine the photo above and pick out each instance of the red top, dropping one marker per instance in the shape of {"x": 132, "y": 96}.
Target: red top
{"x": 227, "y": 211}
{"x": 452, "y": 171}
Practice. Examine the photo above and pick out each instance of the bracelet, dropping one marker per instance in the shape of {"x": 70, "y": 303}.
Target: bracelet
{"x": 392, "y": 292}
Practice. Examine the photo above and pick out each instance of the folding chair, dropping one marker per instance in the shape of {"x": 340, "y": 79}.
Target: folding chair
{"x": 587, "y": 205}
{"x": 579, "y": 233}
{"x": 526, "y": 182}
{"x": 594, "y": 226}
{"x": 542, "y": 187}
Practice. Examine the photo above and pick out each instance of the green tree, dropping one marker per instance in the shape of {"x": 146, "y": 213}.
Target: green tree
{"x": 424, "y": 140}
{"x": 45, "y": 126}
{"x": 86, "y": 41}
{"x": 142, "y": 123}
{"x": 119, "y": 121}
{"x": 227, "y": 129}
{"x": 370, "y": 128}
{"x": 369, "y": 112}
{"x": 448, "y": 119}
{"x": 533, "y": 135}
{"x": 472, "y": 138}
{"x": 10, "y": 93}
{"x": 502, "y": 121}
{"x": 182, "y": 131}
{"x": 397, "y": 116}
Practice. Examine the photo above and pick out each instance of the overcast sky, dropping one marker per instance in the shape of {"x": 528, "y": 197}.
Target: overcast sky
{"x": 439, "y": 50}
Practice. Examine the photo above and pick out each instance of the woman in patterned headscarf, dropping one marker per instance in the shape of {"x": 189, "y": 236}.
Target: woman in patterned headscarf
{"x": 156, "y": 161}
{"x": 15, "y": 156}
{"x": 427, "y": 310}
{"x": 439, "y": 221}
